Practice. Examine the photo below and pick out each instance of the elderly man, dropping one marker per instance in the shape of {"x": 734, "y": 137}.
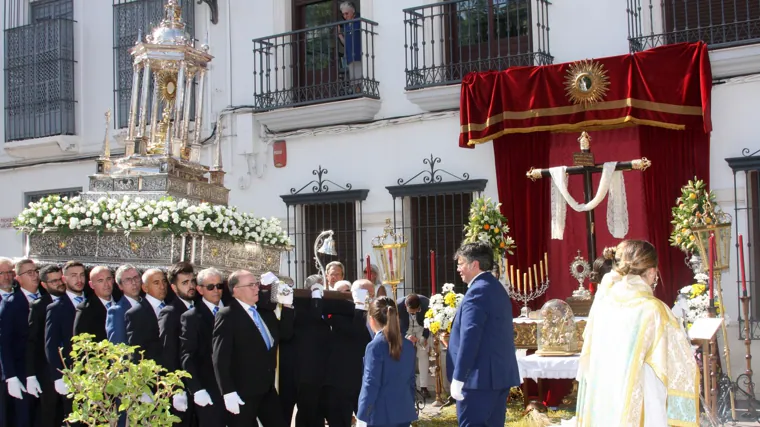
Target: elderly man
{"x": 14, "y": 330}
{"x": 244, "y": 354}
{"x": 350, "y": 36}
{"x": 335, "y": 272}
{"x": 142, "y": 319}
{"x": 195, "y": 349}
{"x": 129, "y": 281}
{"x": 6, "y": 278}
{"x": 91, "y": 314}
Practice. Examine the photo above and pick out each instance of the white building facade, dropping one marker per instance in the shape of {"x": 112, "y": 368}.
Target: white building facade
{"x": 282, "y": 81}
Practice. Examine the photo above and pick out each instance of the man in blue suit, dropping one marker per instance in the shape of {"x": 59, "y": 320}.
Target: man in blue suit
{"x": 129, "y": 281}
{"x": 481, "y": 362}
{"x": 14, "y": 333}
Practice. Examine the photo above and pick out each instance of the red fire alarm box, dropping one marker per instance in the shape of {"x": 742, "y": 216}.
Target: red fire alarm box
{"x": 280, "y": 154}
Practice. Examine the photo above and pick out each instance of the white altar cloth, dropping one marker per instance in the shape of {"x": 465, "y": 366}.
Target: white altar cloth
{"x": 535, "y": 367}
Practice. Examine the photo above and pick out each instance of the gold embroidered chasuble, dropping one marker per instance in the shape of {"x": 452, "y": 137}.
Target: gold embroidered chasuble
{"x": 629, "y": 335}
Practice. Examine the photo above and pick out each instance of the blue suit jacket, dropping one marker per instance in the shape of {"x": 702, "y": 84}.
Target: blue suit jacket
{"x": 481, "y": 350}
{"x": 59, "y": 328}
{"x": 387, "y": 395}
{"x": 116, "y": 326}
{"x": 14, "y": 331}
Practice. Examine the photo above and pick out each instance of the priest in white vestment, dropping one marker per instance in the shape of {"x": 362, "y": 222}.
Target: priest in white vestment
{"x": 637, "y": 367}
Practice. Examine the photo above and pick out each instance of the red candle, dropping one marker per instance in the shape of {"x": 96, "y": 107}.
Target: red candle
{"x": 711, "y": 260}
{"x": 432, "y": 272}
{"x": 390, "y": 264}
{"x": 369, "y": 269}
{"x": 741, "y": 264}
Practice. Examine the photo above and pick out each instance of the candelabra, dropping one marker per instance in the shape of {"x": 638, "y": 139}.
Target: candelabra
{"x": 525, "y": 291}
{"x": 525, "y": 296}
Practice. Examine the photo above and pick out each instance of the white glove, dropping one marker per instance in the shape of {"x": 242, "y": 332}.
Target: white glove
{"x": 268, "y": 278}
{"x": 232, "y": 402}
{"x": 33, "y": 386}
{"x": 15, "y": 388}
{"x": 317, "y": 290}
{"x": 60, "y": 387}
{"x": 360, "y": 298}
{"x": 456, "y": 390}
{"x": 145, "y": 398}
{"x": 284, "y": 294}
{"x": 202, "y": 398}
{"x": 179, "y": 401}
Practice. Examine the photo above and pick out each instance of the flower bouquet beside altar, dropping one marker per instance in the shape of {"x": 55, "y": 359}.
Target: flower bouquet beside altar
{"x": 697, "y": 207}
{"x": 443, "y": 308}
{"x": 487, "y": 224}
{"x": 692, "y": 302}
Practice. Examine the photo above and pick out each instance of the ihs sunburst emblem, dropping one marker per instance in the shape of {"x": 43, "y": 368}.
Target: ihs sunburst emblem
{"x": 586, "y": 82}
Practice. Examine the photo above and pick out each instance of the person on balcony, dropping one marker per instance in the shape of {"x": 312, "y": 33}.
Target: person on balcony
{"x": 350, "y": 35}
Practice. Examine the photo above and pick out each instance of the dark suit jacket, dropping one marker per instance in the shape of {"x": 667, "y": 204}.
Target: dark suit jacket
{"x": 388, "y": 389}
{"x": 142, "y": 330}
{"x": 14, "y": 329}
{"x": 197, "y": 327}
{"x": 348, "y": 340}
{"x": 481, "y": 350}
{"x": 403, "y": 315}
{"x": 116, "y": 328}
{"x": 311, "y": 335}
{"x": 36, "y": 361}
{"x": 59, "y": 328}
{"x": 91, "y": 318}
{"x": 242, "y": 362}
{"x": 168, "y": 332}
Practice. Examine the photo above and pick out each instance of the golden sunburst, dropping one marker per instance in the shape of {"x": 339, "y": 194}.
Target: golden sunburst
{"x": 167, "y": 86}
{"x": 586, "y": 82}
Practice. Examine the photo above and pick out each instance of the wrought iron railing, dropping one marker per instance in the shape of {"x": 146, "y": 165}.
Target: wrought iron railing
{"x": 133, "y": 19}
{"x": 446, "y": 40}
{"x": 315, "y": 65}
{"x": 719, "y": 23}
{"x": 39, "y": 80}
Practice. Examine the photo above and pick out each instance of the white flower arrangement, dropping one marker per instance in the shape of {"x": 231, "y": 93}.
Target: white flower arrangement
{"x": 694, "y": 300}
{"x": 443, "y": 308}
{"x": 128, "y": 214}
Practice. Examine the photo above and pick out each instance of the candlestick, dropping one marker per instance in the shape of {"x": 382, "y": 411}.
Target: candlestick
{"x": 546, "y": 263}
{"x": 390, "y": 264}
{"x": 525, "y": 282}
{"x": 512, "y": 275}
{"x": 711, "y": 260}
{"x": 432, "y": 272}
{"x": 530, "y": 280}
{"x": 518, "y": 280}
{"x": 741, "y": 264}
{"x": 535, "y": 275}
{"x": 541, "y": 263}
{"x": 368, "y": 269}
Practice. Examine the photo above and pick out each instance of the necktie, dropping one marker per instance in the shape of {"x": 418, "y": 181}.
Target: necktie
{"x": 78, "y": 300}
{"x": 34, "y": 297}
{"x": 108, "y": 305}
{"x": 260, "y": 324}
{"x": 191, "y": 306}
{"x": 216, "y": 310}
{"x": 161, "y": 306}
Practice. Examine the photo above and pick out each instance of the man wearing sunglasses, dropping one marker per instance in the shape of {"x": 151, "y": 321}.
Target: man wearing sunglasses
{"x": 129, "y": 281}
{"x": 195, "y": 350}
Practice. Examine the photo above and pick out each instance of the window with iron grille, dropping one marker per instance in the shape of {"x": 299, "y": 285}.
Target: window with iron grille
{"x": 311, "y": 213}
{"x": 39, "y": 69}
{"x": 132, "y": 20}
{"x": 35, "y": 196}
{"x": 432, "y": 218}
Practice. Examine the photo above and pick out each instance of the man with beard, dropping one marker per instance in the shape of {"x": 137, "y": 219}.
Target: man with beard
{"x": 14, "y": 331}
{"x": 47, "y": 410}
{"x": 182, "y": 280}
{"x": 91, "y": 314}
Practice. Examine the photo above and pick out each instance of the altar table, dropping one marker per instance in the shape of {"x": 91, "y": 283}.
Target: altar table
{"x": 525, "y": 332}
{"x": 539, "y": 368}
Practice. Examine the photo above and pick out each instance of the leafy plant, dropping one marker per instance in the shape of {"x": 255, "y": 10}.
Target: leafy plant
{"x": 697, "y": 207}
{"x": 487, "y": 224}
{"x": 104, "y": 381}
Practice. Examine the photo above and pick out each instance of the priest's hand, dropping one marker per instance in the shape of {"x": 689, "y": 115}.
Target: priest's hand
{"x": 15, "y": 388}
{"x": 456, "y": 390}
{"x": 33, "y": 386}
{"x": 317, "y": 290}
{"x": 202, "y": 398}
{"x": 232, "y": 402}
{"x": 179, "y": 401}
{"x": 60, "y": 387}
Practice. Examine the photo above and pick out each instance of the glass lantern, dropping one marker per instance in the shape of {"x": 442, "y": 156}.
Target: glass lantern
{"x": 557, "y": 334}
{"x": 390, "y": 251}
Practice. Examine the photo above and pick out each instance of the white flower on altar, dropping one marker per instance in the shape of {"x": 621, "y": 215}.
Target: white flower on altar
{"x": 447, "y": 287}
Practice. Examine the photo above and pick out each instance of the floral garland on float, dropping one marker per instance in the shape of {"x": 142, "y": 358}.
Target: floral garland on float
{"x": 67, "y": 215}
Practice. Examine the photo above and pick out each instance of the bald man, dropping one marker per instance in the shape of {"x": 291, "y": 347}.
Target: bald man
{"x": 91, "y": 314}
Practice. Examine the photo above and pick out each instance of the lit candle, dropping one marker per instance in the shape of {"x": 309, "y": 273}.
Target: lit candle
{"x": 530, "y": 280}
{"x": 512, "y": 276}
{"x": 711, "y": 260}
{"x": 390, "y": 264}
{"x": 432, "y": 272}
{"x": 741, "y": 263}
{"x": 541, "y": 263}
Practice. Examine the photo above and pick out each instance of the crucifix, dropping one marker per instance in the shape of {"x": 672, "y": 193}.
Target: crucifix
{"x": 583, "y": 164}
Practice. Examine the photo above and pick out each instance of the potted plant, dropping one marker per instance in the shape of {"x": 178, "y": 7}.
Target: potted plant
{"x": 104, "y": 381}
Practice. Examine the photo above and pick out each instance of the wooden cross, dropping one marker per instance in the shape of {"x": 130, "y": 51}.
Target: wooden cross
{"x": 583, "y": 164}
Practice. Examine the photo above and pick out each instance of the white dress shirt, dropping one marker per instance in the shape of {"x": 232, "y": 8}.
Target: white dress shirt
{"x": 155, "y": 304}
{"x": 132, "y": 302}
{"x": 188, "y": 304}
{"x": 106, "y": 302}
{"x": 72, "y": 295}
{"x": 473, "y": 279}
{"x": 266, "y": 328}
{"x": 211, "y": 307}
{"x": 29, "y": 297}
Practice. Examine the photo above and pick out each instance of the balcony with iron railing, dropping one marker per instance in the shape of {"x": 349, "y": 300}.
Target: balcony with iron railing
{"x": 39, "y": 80}
{"x": 446, "y": 40}
{"x": 730, "y": 28}
{"x": 318, "y": 65}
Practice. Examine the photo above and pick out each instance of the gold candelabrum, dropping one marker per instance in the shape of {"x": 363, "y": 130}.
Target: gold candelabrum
{"x": 528, "y": 286}
{"x": 390, "y": 251}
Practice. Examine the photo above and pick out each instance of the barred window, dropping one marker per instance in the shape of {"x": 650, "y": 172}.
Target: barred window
{"x": 35, "y": 196}
{"x": 39, "y": 69}
{"x": 133, "y": 19}
{"x": 309, "y": 214}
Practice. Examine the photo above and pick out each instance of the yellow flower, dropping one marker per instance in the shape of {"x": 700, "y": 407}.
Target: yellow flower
{"x": 708, "y": 220}
{"x": 692, "y": 196}
{"x": 692, "y": 238}
{"x": 697, "y": 290}
{"x": 450, "y": 299}
{"x": 496, "y": 230}
{"x": 429, "y": 314}
{"x": 435, "y": 327}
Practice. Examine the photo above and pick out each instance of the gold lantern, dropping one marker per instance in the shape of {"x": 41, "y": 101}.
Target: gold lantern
{"x": 390, "y": 251}
{"x": 722, "y": 254}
